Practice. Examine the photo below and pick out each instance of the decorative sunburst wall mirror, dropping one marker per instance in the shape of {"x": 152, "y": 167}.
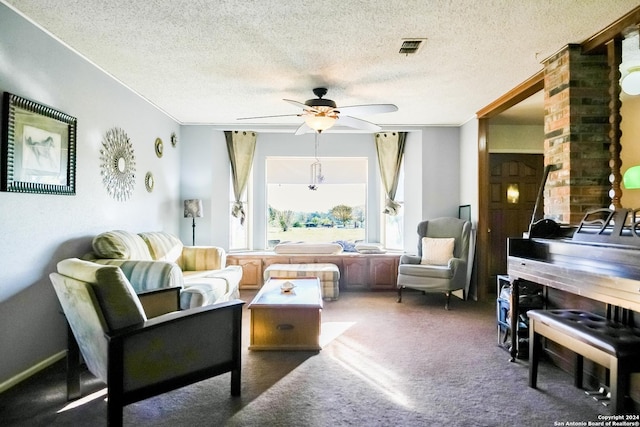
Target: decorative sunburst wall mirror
{"x": 118, "y": 168}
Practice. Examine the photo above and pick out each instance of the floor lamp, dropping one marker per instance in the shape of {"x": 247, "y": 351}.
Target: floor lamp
{"x": 193, "y": 210}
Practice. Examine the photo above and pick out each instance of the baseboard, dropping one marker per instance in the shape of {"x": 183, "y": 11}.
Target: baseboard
{"x": 32, "y": 370}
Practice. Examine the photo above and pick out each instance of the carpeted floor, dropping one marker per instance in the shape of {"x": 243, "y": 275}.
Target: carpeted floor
{"x": 382, "y": 364}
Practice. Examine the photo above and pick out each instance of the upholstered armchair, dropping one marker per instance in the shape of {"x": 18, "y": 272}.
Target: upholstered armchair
{"x": 441, "y": 263}
{"x": 135, "y": 356}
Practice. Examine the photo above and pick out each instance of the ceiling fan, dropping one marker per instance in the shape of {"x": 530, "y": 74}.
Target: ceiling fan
{"x": 320, "y": 114}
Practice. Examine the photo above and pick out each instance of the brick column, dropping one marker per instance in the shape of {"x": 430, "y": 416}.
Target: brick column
{"x": 576, "y": 134}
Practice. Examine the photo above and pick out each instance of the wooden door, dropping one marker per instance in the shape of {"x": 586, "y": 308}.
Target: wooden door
{"x": 510, "y": 218}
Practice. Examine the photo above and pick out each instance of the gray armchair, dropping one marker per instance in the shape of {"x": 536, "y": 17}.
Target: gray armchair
{"x": 135, "y": 356}
{"x": 427, "y": 273}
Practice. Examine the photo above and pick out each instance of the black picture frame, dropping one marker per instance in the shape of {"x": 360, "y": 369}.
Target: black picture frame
{"x": 464, "y": 212}
{"x": 38, "y": 148}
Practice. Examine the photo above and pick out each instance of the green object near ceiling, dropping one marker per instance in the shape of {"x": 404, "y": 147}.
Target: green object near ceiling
{"x": 631, "y": 178}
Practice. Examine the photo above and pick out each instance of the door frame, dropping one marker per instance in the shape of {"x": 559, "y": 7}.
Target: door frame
{"x": 521, "y": 92}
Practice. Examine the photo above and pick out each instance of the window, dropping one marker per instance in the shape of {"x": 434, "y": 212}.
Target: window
{"x": 333, "y": 211}
{"x": 393, "y": 226}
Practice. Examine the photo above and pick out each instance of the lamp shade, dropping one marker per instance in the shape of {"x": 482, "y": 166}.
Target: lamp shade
{"x": 631, "y": 178}
{"x": 631, "y": 82}
{"x": 193, "y": 208}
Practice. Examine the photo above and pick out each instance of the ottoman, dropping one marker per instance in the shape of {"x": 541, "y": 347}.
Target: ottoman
{"x": 329, "y": 275}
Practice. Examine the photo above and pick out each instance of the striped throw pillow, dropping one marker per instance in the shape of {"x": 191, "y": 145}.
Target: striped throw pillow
{"x": 162, "y": 246}
{"x": 120, "y": 244}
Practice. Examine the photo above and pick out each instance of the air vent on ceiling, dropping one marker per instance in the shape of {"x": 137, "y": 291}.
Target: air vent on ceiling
{"x": 410, "y": 46}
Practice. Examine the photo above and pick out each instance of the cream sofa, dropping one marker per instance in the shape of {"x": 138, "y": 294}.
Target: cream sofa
{"x": 200, "y": 270}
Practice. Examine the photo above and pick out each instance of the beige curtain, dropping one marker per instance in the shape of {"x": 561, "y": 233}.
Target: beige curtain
{"x": 241, "y": 146}
{"x": 390, "y": 149}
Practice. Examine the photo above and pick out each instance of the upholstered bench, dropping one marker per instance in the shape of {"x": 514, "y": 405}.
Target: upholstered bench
{"x": 610, "y": 344}
{"x": 329, "y": 275}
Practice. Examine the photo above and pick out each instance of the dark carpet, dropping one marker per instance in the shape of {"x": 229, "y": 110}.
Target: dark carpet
{"x": 382, "y": 364}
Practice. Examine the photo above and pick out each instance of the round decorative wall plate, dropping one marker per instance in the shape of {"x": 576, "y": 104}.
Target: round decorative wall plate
{"x": 148, "y": 182}
{"x": 118, "y": 168}
{"x": 159, "y": 147}
{"x": 174, "y": 139}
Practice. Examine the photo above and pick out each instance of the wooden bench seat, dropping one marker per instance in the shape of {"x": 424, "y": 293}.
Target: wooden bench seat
{"x": 612, "y": 344}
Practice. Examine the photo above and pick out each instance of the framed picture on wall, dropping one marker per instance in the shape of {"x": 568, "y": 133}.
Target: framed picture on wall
{"x": 38, "y": 148}
{"x": 464, "y": 212}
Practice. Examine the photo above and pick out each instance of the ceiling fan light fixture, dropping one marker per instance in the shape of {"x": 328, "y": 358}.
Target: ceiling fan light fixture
{"x": 631, "y": 81}
{"x": 320, "y": 122}
{"x": 320, "y": 114}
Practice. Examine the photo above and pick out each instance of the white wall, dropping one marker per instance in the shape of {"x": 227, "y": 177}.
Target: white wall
{"x": 39, "y": 230}
{"x": 469, "y": 167}
{"x": 440, "y": 171}
{"x": 432, "y": 181}
{"x": 205, "y": 175}
{"x": 526, "y": 139}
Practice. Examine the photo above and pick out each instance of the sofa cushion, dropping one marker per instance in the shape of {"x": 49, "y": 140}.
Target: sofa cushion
{"x": 437, "y": 251}
{"x": 200, "y": 291}
{"x": 369, "y": 248}
{"x": 199, "y": 258}
{"x": 78, "y": 269}
{"x": 308, "y": 248}
{"x": 432, "y": 271}
{"x": 120, "y": 244}
{"x": 148, "y": 275}
{"x": 118, "y": 302}
{"x": 162, "y": 246}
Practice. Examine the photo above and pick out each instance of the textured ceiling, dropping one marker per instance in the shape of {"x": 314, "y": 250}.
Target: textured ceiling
{"x": 215, "y": 61}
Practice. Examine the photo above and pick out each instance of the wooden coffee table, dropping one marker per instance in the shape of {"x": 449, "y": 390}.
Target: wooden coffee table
{"x": 287, "y": 320}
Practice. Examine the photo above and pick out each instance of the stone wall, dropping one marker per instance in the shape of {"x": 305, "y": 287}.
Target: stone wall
{"x": 576, "y": 96}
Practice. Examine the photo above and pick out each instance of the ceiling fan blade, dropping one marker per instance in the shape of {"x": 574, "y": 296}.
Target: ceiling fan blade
{"x": 267, "y": 117}
{"x": 304, "y": 128}
{"x": 365, "y": 109}
{"x": 301, "y": 105}
{"x": 357, "y": 123}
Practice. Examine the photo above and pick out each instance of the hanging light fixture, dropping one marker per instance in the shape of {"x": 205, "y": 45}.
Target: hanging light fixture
{"x": 630, "y": 67}
{"x": 316, "y": 168}
{"x": 631, "y": 81}
{"x": 322, "y": 119}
